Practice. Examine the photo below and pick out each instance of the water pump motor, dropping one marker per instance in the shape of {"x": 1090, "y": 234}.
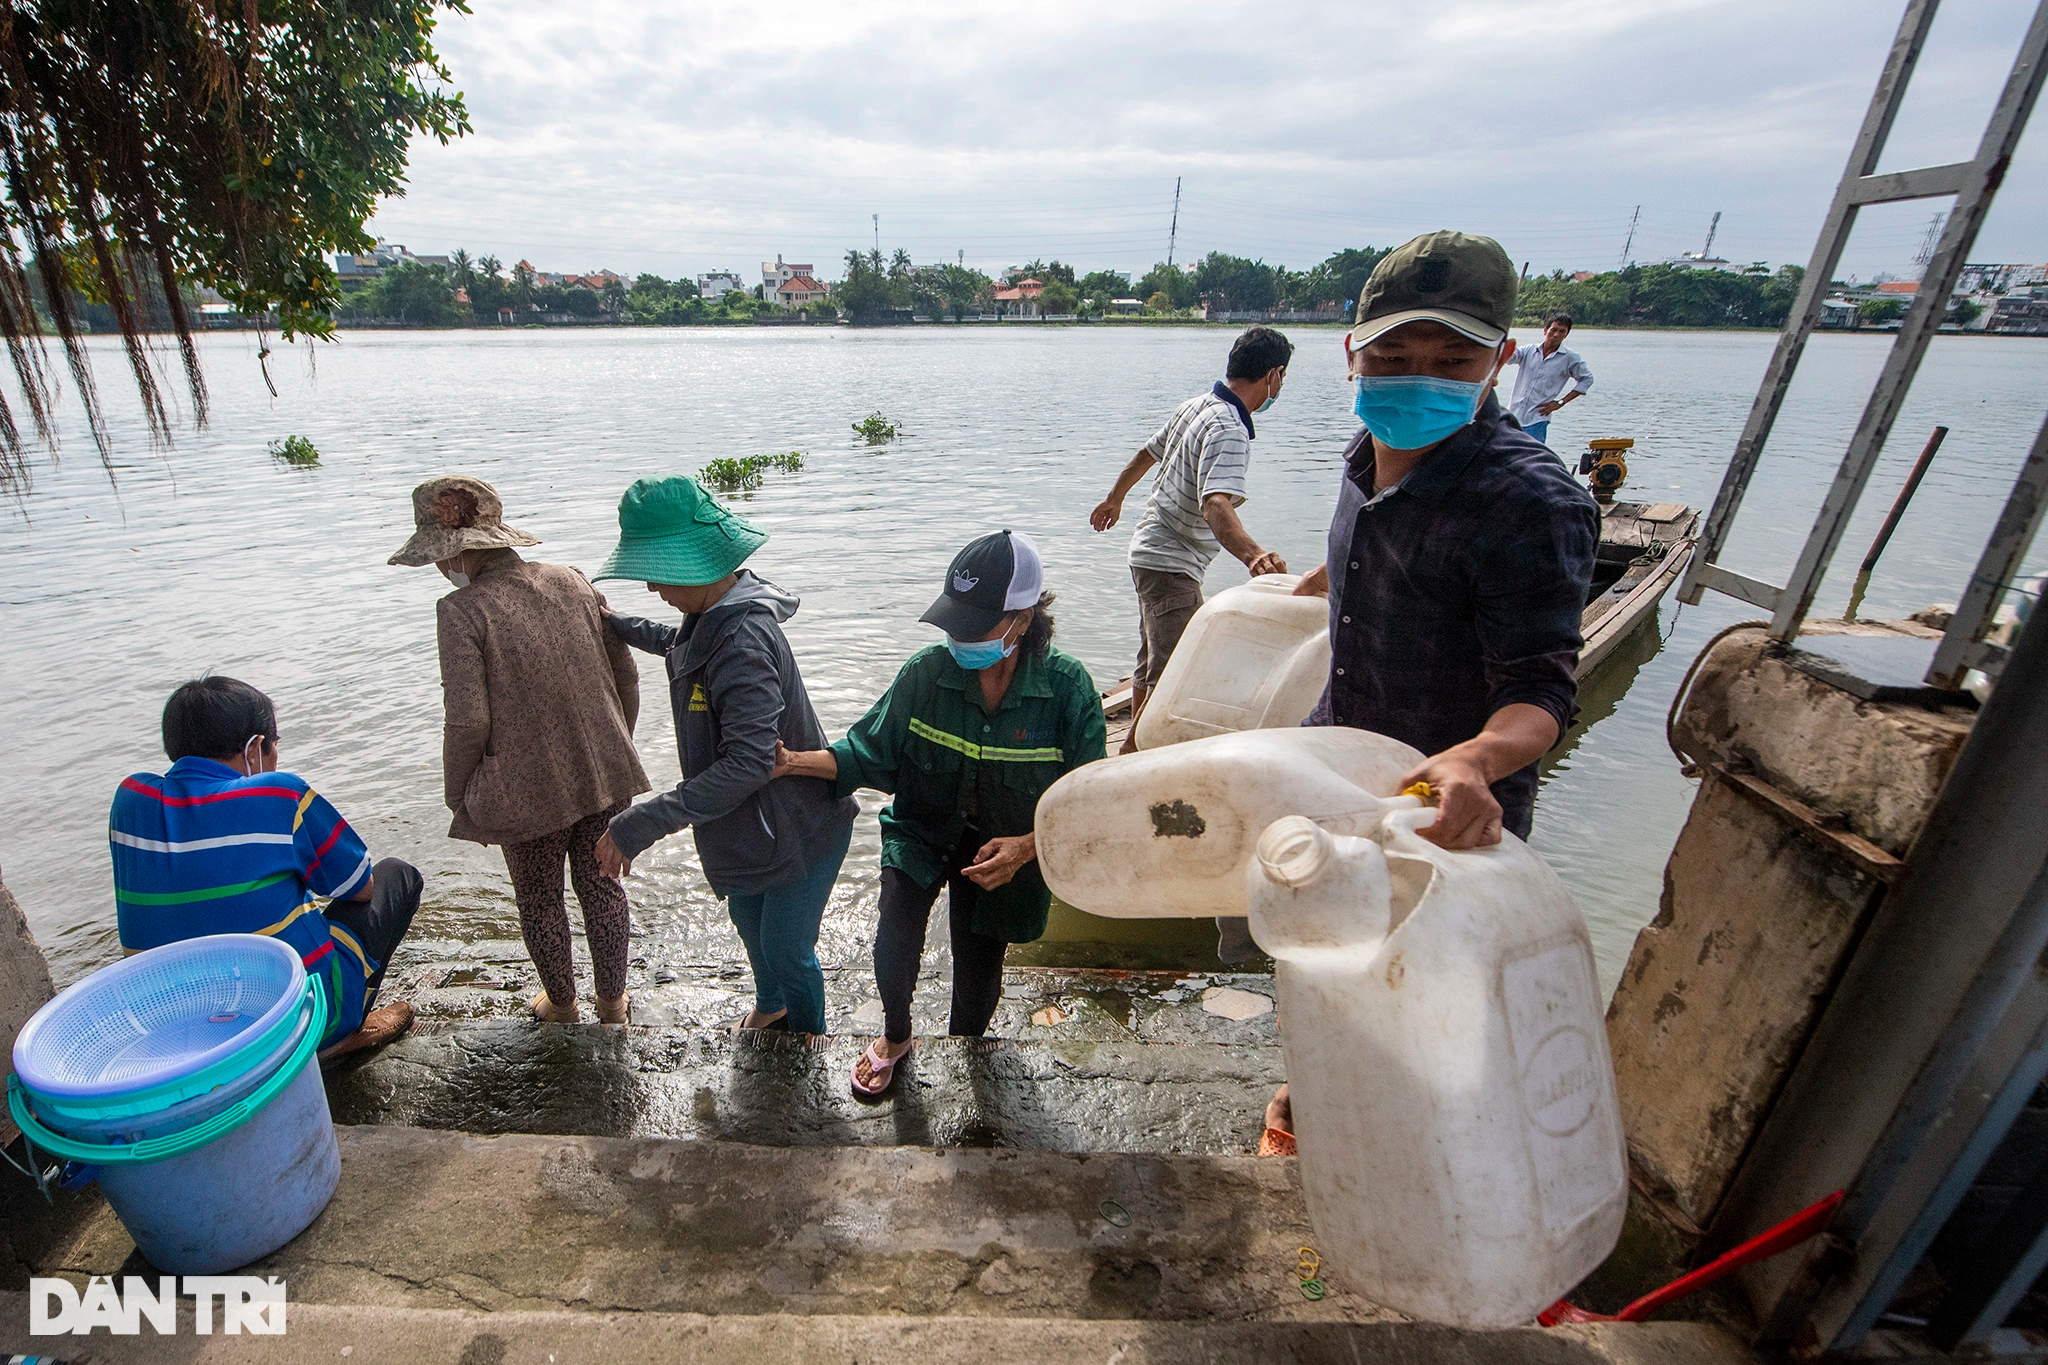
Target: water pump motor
{"x": 1605, "y": 467}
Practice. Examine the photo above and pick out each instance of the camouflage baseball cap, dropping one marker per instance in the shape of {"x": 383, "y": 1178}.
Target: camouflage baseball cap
{"x": 1466, "y": 283}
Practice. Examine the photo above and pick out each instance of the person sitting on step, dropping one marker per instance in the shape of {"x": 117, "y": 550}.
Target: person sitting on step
{"x": 225, "y": 843}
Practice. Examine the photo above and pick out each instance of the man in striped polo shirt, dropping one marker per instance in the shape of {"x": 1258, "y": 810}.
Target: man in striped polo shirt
{"x": 1202, "y": 452}
{"x": 223, "y": 843}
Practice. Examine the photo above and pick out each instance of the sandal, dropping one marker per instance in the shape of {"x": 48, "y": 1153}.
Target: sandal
{"x": 1276, "y": 1142}
{"x": 881, "y": 1070}
{"x": 779, "y": 1024}
{"x": 548, "y": 1012}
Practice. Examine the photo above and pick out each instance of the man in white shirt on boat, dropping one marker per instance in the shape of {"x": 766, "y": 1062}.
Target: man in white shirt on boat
{"x": 1547, "y": 377}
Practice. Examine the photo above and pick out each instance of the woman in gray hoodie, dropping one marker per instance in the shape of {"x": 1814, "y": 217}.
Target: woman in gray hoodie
{"x": 771, "y": 850}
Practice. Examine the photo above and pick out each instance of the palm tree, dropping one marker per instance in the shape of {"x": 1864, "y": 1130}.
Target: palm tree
{"x": 856, "y": 262}
{"x": 461, "y": 268}
{"x": 489, "y": 266}
{"x": 899, "y": 264}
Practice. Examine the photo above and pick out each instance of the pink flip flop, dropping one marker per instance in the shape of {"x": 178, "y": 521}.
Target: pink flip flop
{"x": 882, "y": 1069}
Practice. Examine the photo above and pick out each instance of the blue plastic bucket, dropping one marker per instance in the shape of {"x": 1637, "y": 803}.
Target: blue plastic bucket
{"x": 171, "y": 1025}
{"x": 228, "y": 1190}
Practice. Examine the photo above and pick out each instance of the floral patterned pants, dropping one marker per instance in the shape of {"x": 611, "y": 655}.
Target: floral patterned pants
{"x": 536, "y": 868}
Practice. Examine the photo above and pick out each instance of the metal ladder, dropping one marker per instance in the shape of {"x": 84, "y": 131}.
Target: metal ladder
{"x": 1974, "y": 183}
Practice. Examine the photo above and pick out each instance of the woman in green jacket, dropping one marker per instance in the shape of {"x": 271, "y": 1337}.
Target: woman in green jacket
{"x": 967, "y": 739}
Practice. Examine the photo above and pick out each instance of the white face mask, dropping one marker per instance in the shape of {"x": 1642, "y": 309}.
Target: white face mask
{"x": 252, "y": 755}
{"x": 460, "y": 580}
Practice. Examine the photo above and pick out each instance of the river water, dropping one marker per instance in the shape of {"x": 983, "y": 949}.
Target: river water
{"x": 212, "y": 556}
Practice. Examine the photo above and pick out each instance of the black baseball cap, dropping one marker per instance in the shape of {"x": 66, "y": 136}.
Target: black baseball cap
{"x": 992, "y": 577}
{"x": 1466, "y": 283}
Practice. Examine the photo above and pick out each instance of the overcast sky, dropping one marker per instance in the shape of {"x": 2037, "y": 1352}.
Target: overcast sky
{"x": 656, "y": 137}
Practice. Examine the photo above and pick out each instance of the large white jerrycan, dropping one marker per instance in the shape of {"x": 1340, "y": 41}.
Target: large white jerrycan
{"x": 1254, "y": 657}
{"x": 1170, "y": 832}
{"x": 1454, "y": 1104}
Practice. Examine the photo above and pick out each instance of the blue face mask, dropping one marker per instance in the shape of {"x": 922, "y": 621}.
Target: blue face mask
{"x": 975, "y": 655}
{"x": 1408, "y": 412}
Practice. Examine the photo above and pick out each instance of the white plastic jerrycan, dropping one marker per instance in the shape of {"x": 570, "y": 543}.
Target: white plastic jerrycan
{"x": 1171, "y": 831}
{"x": 1254, "y": 657}
{"x": 1453, "y": 1099}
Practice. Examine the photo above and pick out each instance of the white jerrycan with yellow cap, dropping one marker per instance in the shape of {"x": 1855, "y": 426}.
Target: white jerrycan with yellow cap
{"x": 1453, "y": 1099}
{"x": 1253, "y": 657}
{"x": 1454, "y": 1102}
{"x": 1170, "y": 832}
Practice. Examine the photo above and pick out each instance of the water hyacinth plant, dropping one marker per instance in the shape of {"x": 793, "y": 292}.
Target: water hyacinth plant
{"x": 296, "y": 451}
{"x": 730, "y": 475}
{"x": 876, "y": 429}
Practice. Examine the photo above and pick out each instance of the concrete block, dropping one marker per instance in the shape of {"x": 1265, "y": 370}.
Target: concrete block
{"x": 1723, "y": 988}
{"x": 24, "y": 988}
{"x": 1876, "y": 765}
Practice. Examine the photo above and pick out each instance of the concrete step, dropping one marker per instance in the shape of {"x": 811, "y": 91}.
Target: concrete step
{"x": 407, "y": 1336}
{"x": 604, "y": 1249}
{"x": 1088, "y": 1062}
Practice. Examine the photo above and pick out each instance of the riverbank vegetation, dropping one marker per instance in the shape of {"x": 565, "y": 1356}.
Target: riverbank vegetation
{"x": 1662, "y": 296}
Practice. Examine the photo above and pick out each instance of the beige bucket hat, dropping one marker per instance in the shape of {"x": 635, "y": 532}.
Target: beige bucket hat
{"x": 455, "y": 513}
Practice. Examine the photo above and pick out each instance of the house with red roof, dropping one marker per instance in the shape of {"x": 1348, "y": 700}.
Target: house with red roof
{"x": 1020, "y": 300}
{"x": 798, "y": 291}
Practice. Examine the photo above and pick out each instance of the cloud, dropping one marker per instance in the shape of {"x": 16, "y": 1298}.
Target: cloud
{"x": 656, "y": 137}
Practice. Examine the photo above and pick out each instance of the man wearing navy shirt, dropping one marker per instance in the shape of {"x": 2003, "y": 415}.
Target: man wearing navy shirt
{"x": 1460, "y": 555}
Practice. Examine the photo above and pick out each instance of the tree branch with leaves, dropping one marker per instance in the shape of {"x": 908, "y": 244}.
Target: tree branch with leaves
{"x": 147, "y": 144}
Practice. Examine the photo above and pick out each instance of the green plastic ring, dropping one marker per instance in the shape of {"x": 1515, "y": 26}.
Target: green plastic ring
{"x": 177, "y": 1144}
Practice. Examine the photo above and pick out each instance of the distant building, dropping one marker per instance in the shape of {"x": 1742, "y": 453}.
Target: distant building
{"x": 775, "y": 276}
{"x": 1699, "y": 260}
{"x": 1839, "y": 315}
{"x": 719, "y": 283}
{"x": 1127, "y": 305}
{"x": 1020, "y": 300}
{"x": 1901, "y": 289}
{"x": 357, "y": 270}
{"x": 595, "y": 281}
{"x": 2021, "y": 314}
{"x": 798, "y": 291}
{"x": 2000, "y": 279}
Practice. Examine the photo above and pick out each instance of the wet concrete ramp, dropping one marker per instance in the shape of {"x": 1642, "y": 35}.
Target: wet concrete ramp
{"x": 1091, "y": 1061}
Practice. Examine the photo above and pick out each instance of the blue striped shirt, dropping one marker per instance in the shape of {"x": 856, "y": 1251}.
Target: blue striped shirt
{"x": 205, "y": 850}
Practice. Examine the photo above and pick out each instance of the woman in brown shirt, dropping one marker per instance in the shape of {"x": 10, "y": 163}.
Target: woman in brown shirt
{"x": 537, "y": 747}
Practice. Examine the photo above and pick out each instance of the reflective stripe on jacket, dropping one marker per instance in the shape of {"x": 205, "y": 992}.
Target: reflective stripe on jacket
{"x": 952, "y": 763}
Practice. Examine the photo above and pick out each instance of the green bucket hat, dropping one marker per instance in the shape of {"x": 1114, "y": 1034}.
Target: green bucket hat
{"x": 672, "y": 531}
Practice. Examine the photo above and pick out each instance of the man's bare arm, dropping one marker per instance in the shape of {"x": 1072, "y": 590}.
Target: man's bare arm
{"x": 1231, "y": 535}
{"x": 1112, "y": 507}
